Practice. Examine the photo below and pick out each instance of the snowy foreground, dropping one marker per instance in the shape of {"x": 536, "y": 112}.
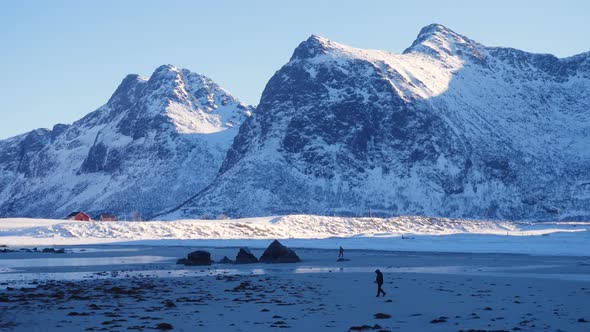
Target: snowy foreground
{"x": 307, "y": 231}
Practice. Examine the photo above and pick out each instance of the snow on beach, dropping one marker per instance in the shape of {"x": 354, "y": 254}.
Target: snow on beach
{"x": 412, "y": 233}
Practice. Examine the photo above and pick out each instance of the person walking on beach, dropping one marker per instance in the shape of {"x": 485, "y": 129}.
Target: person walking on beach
{"x": 379, "y": 281}
{"x": 340, "y": 252}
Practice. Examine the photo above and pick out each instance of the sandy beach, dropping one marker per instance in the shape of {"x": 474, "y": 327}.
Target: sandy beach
{"x": 122, "y": 288}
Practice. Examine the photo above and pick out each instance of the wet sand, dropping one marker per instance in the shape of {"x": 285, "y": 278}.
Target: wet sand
{"x": 142, "y": 289}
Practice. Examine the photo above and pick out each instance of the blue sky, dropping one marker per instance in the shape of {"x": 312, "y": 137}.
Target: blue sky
{"x": 60, "y": 60}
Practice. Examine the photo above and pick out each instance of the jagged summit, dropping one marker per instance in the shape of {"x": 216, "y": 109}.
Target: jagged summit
{"x": 191, "y": 102}
{"x": 156, "y": 142}
{"x": 434, "y": 40}
{"x": 165, "y": 69}
{"x": 439, "y": 41}
{"x": 439, "y": 31}
{"x": 314, "y": 45}
{"x": 123, "y": 95}
{"x": 441, "y": 44}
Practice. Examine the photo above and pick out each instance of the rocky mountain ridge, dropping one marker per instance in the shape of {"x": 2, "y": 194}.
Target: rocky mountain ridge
{"x": 449, "y": 128}
{"x": 156, "y": 141}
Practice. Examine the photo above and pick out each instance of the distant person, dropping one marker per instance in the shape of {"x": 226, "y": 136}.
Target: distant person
{"x": 341, "y": 252}
{"x": 379, "y": 281}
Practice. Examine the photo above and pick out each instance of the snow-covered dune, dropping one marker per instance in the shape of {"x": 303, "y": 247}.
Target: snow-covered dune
{"x": 421, "y": 233}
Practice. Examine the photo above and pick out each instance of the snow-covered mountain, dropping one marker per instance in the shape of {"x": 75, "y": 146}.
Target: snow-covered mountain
{"x": 449, "y": 128}
{"x": 155, "y": 143}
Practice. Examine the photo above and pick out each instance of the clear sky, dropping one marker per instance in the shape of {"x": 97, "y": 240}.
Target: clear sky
{"x": 60, "y": 60}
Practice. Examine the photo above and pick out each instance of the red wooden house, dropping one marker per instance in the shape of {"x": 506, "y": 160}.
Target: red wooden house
{"x": 78, "y": 215}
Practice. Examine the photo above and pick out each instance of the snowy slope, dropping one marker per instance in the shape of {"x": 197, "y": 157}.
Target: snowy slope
{"x": 420, "y": 233}
{"x": 448, "y": 128}
{"x": 155, "y": 143}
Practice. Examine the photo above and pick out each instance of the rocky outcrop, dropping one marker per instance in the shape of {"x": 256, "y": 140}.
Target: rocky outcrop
{"x": 226, "y": 260}
{"x": 54, "y": 251}
{"x": 199, "y": 257}
{"x": 244, "y": 256}
{"x": 278, "y": 253}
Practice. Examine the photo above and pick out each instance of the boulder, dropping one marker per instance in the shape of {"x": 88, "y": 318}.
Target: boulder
{"x": 199, "y": 257}
{"x": 54, "y": 251}
{"x": 278, "y": 253}
{"x": 164, "y": 326}
{"x": 225, "y": 260}
{"x": 244, "y": 256}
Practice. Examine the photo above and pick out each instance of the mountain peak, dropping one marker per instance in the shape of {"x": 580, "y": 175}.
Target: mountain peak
{"x": 439, "y": 41}
{"x": 124, "y": 95}
{"x": 435, "y": 29}
{"x": 166, "y": 69}
{"x": 165, "y": 72}
{"x": 318, "y": 39}
{"x": 312, "y": 47}
{"x": 165, "y": 75}
{"x": 167, "y": 80}
{"x": 192, "y": 102}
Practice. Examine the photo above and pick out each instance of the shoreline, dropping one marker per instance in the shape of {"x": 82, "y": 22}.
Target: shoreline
{"x": 425, "y": 291}
{"x": 307, "y": 231}
{"x": 556, "y": 244}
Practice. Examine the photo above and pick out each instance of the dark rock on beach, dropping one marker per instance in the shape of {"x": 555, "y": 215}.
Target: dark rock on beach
{"x": 278, "y": 253}
{"x": 199, "y": 257}
{"x": 381, "y": 315}
{"x": 54, "y": 251}
{"x": 244, "y": 256}
{"x": 365, "y": 327}
{"x": 164, "y": 327}
{"x": 226, "y": 260}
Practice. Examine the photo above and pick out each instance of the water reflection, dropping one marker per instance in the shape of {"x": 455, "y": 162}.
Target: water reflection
{"x": 14, "y": 278}
{"x": 80, "y": 261}
{"x": 94, "y": 250}
{"x": 27, "y": 271}
{"x": 368, "y": 269}
{"x": 492, "y": 271}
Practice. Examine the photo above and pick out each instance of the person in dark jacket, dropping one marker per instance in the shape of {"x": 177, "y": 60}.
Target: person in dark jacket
{"x": 340, "y": 252}
{"x": 379, "y": 281}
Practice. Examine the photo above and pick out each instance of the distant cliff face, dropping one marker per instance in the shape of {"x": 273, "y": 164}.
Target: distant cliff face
{"x": 157, "y": 142}
{"x": 448, "y": 128}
